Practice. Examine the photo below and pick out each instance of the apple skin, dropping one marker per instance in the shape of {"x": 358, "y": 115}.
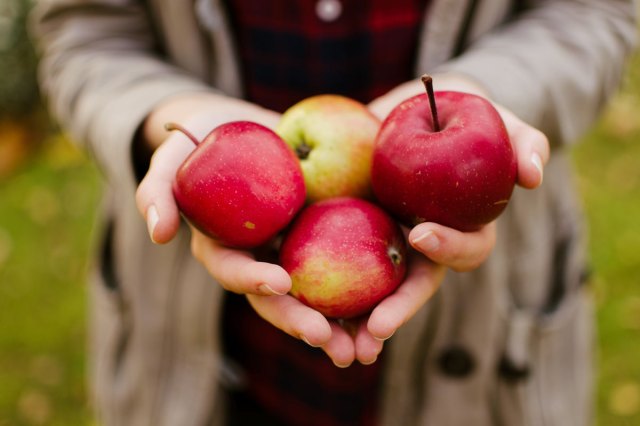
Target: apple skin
{"x": 241, "y": 185}
{"x": 461, "y": 177}
{"x": 333, "y": 137}
{"x": 344, "y": 255}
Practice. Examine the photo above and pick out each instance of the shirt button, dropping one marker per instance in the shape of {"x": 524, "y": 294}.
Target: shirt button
{"x": 456, "y": 362}
{"x": 328, "y": 10}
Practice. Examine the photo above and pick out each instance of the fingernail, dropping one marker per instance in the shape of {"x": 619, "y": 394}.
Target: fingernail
{"x": 369, "y": 362}
{"x": 267, "y": 290}
{"x": 304, "y": 339}
{"x": 152, "y": 220}
{"x": 426, "y": 242}
{"x": 341, "y": 365}
{"x": 382, "y": 339}
{"x": 537, "y": 163}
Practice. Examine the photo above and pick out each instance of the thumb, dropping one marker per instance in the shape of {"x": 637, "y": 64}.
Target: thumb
{"x": 154, "y": 196}
{"x": 531, "y": 147}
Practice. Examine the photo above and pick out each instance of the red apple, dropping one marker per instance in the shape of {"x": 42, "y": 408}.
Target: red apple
{"x": 333, "y": 137}
{"x": 453, "y": 165}
{"x": 241, "y": 185}
{"x": 344, "y": 256}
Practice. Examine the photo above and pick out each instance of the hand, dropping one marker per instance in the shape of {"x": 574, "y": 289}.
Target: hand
{"x": 265, "y": 284}
{"x": 531, "y": 145}
{"x": 442, "y": 246}
{"x": 362, "y": 339}
{"x": 199, "y": 113}
{"x": 457, "y": 250}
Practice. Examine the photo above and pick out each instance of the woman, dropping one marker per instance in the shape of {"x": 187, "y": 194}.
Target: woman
{"x": 505, "y": 339}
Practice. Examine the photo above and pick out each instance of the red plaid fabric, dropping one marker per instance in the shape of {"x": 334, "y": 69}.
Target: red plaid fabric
{"x": 287, "y": 54}
{"x": 288, "y": 382}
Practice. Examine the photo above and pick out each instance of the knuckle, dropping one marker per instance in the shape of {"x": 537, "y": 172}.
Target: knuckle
{"x": 141, "y": 196}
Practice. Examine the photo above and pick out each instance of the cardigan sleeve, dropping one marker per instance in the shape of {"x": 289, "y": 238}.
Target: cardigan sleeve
{"x": 101, "y": 73}
{"x": 556, "y": 63}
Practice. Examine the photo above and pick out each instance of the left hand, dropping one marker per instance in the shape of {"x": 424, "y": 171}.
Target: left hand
{"x": 530, "y": 144}
{"x": 441, "y": 246}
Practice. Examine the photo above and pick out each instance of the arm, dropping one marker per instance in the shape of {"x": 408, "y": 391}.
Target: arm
{"x": 553, "y": 66}
{"x": 102, "y": 76}
{"x": 106, "y": 84}
{"x": 556, "y": 63}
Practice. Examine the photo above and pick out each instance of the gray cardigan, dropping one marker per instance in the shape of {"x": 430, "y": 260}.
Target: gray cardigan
{"x": 509, "y": 343}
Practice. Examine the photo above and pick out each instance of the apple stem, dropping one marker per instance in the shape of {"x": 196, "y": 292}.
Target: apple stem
{"x": 428, "y": 85}
{"x": 174, "y": 126}
{"x": 303, "y": 150}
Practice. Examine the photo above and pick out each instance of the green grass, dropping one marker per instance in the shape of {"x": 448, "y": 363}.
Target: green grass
{"x": 47, "y": 215}
{"x": 608, "y": 164}
{"x": 47, "y": 218}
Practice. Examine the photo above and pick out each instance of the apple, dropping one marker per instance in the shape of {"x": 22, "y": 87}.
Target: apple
{"x": 452, "y": 165}
{"x": 333, "y": 137}
{"x": 344, "y": 255}
{"x": 241, "y": 185}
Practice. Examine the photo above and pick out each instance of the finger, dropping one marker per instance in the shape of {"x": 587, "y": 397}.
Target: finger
{"x": 340, "y": 348}
{"x": 532, "y": 153}
{"x": 367, "y": 347}
{"x": 267, "y": 118}
{"x": 237, "y": 270}
{"x": 531, "y": 147}
{"x": 383, "y": 105}
{"x": 154, "y": 196}
{"x": 460, "y": 251}
{"x": 423, "y": 280}
{"x": 291, "y": 316}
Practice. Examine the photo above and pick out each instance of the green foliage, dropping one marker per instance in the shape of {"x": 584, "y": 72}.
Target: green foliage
{"x": 18, "y": 90}
{"x": 608, "y": 163}
{"x": 47, "y": 215}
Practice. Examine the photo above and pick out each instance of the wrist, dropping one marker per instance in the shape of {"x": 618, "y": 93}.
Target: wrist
{"x": 441, "y": 81}
{"x": 459, "y": 82}
{"x": 179, "y": 109}
{"x": 200, "y": 113}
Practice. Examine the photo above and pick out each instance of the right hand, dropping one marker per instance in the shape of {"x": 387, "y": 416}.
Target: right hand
{"x": 198, "y": 113}
{"x": 265, "y": 284}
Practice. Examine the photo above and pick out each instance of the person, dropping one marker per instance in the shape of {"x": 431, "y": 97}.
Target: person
{"x": 490, "y": 327}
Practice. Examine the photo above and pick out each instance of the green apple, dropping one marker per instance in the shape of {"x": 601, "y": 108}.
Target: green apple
{"x": 333, "y": 136}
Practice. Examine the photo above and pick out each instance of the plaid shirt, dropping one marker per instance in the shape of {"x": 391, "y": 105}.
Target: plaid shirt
{"x": 288, "y": 52}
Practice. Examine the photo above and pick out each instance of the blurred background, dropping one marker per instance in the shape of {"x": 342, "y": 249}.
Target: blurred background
{"x": 49, "y": 192}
